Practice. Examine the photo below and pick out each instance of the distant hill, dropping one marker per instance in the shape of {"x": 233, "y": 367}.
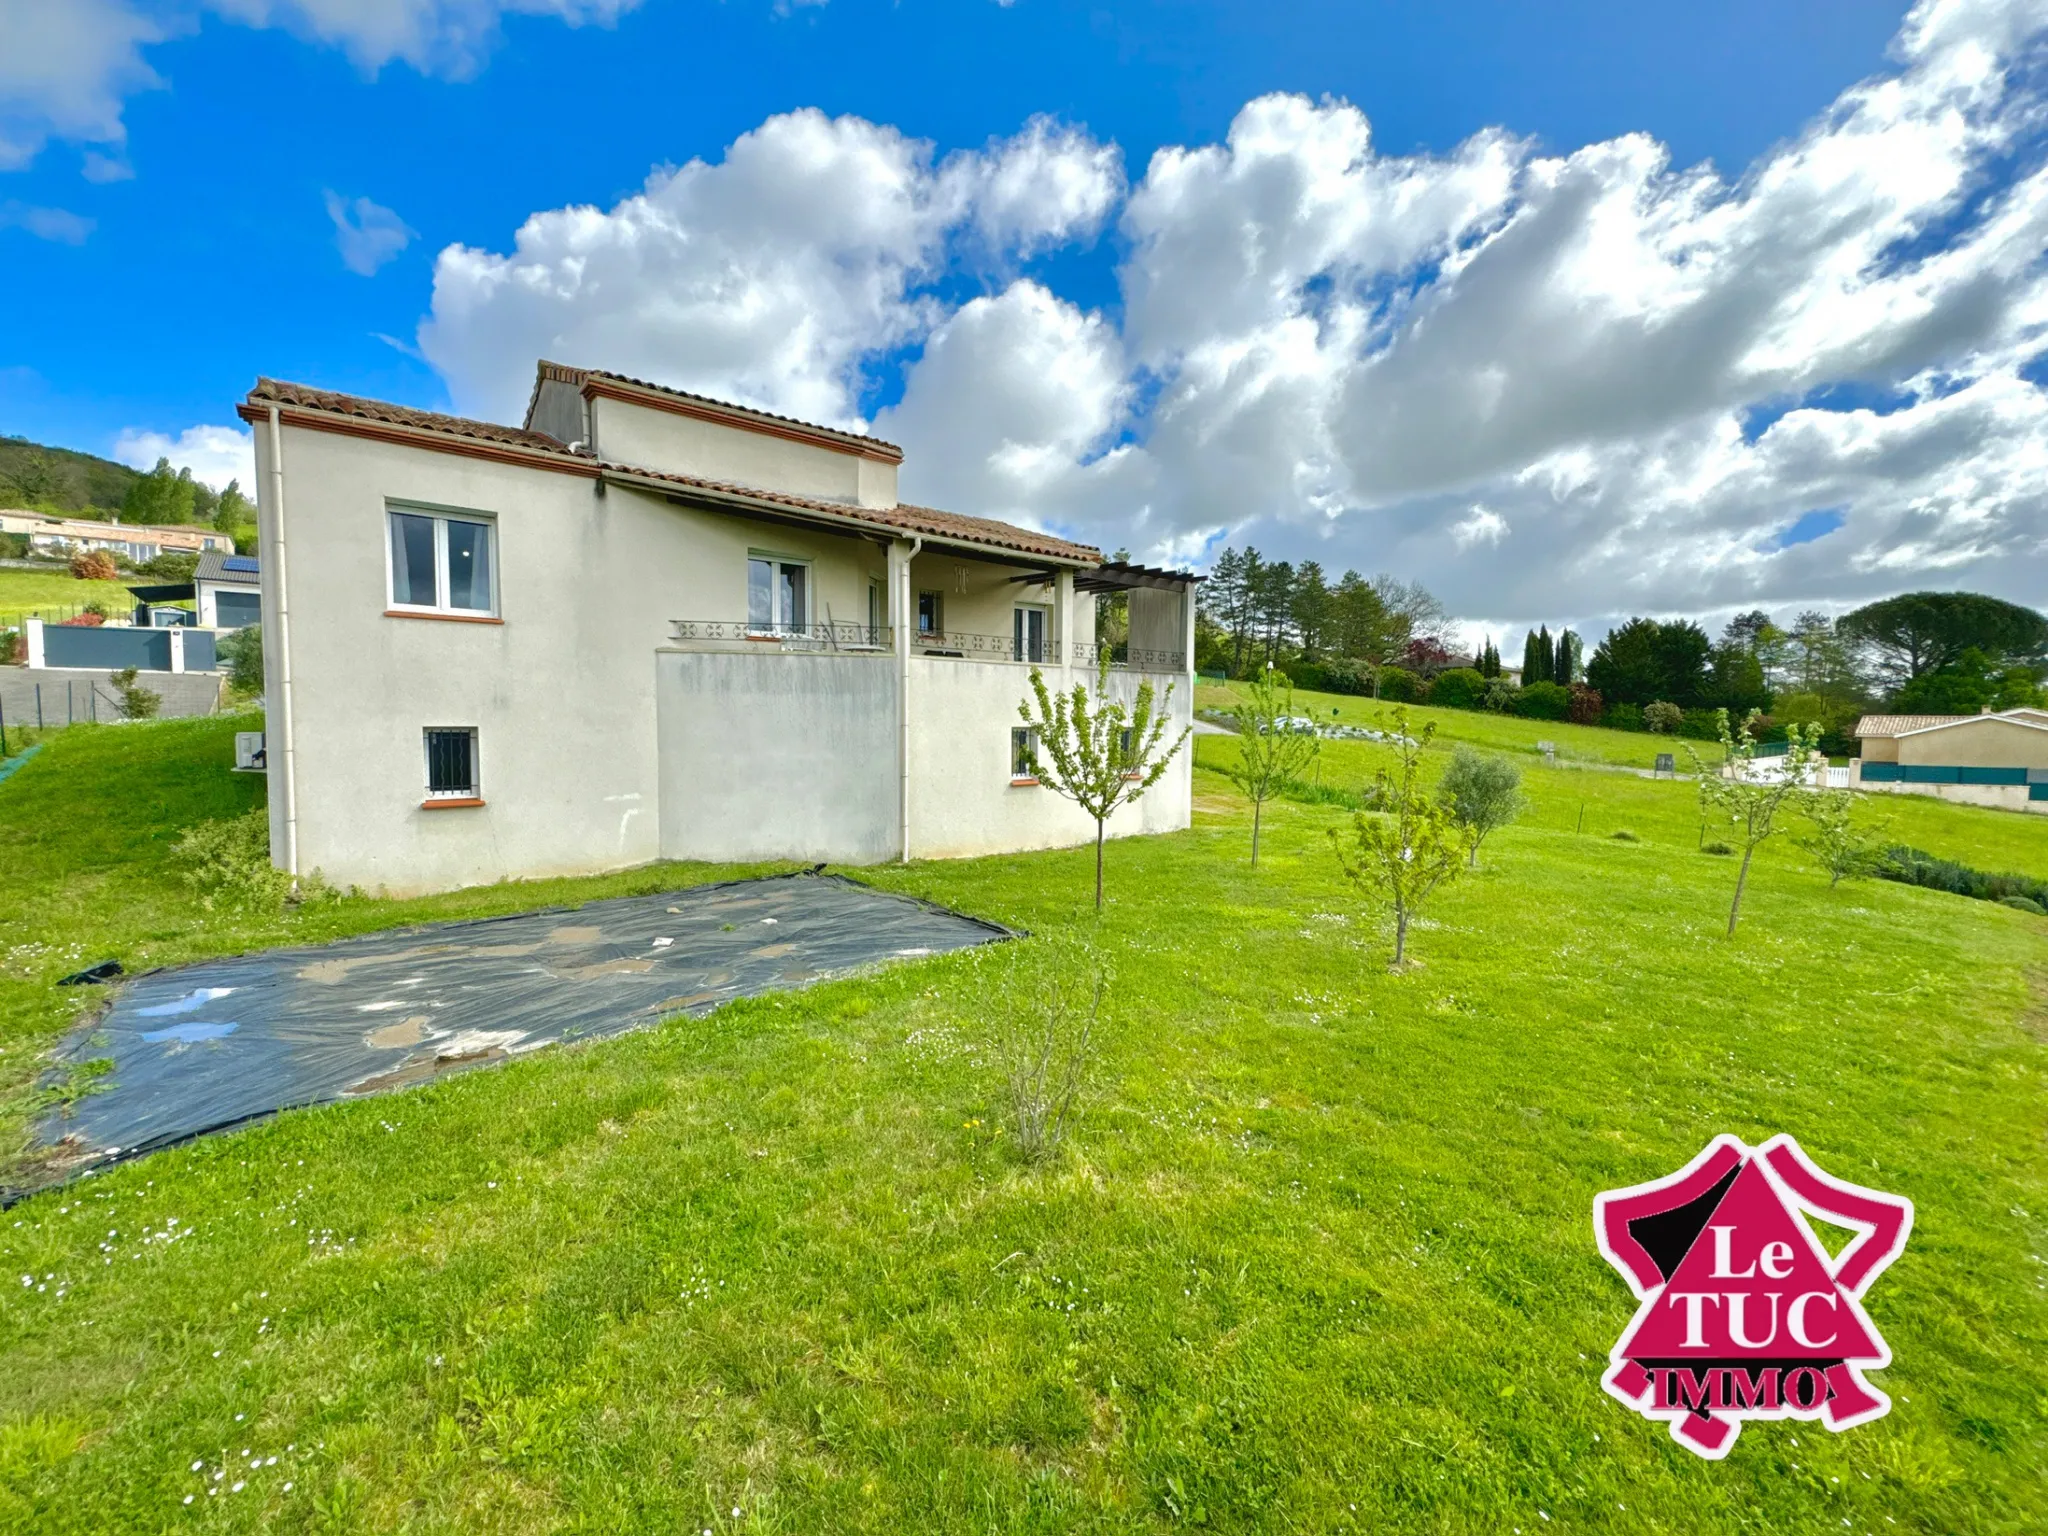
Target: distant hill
{"x": 31, "y": 473}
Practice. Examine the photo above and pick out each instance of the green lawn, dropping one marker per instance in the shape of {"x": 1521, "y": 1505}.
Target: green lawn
{"x": 1319, "y": 1258}
{"x": 54, "y": 591}
{"x": 1500, "y": 733}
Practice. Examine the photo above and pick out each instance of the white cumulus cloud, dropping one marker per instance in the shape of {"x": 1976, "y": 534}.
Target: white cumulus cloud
{"x": 215, "y": 455}
{"x": 56, "y": 224}
{"x": 777, "y": 276}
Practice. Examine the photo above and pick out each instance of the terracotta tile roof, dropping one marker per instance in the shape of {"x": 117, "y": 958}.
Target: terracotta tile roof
{"x": 901, "y": 518}
{"x": 565, "y": 374}
{"x": 1898, "y": 725}
{"x": 335, "y": 403}
{"x": 2026, "y": 719}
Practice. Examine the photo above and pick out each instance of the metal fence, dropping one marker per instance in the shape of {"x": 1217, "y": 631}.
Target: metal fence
{"x": 961, "y": 644}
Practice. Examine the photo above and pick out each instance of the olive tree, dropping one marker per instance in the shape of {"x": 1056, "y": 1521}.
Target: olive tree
{"x": 1483, "y": 791}
{"x": 1097, "y": 751}
{"x": 1749, "y": 790}
{"x": 1271, "y": 750}
{"x": 1398, "y": 855}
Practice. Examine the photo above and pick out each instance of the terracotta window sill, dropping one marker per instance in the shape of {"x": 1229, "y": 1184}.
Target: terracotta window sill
{"x": 445, "y": 618}
{"x": 1022, "y": 783}
{"x": 451, "y": 802}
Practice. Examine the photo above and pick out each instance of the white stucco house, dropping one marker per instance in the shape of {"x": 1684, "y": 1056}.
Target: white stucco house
{"x": 645, "y": 624}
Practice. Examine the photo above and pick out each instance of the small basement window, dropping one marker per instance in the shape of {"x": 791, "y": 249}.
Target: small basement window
{"x": 443, "y": 564}
{"x": 1023, "y": 755}
{"x": 452, "y": 764}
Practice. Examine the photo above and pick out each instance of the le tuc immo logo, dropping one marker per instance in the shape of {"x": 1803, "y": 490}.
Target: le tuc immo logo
{"x": 1743, "y": 1313}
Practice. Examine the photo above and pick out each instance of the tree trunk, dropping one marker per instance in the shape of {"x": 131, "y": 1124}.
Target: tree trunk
{"x": 1400, "y": 932}
{"x": 1473, "y": 862}
{"x": 1741, "y": 880}
{"x": 1257, "y": 807}
{"x": 1098, "y": 869}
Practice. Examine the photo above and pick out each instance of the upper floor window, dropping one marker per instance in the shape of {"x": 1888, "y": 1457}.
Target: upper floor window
{"x": 778, "y": 593}
{"x": 442, "y": 563}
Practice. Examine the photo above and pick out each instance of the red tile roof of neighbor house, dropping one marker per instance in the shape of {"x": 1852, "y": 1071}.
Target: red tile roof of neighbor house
{"x": 527, "y": 445}
{"x": 1901, "y": 725}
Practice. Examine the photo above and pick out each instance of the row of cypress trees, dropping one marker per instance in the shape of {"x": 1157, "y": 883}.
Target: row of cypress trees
{"x": 1550, "y": 661}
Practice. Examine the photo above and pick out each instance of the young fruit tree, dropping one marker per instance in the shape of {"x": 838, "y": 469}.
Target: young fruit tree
{"x": 1398, "y": 856}
{"x": 1483, "y": 791}
{"x": 1095, "y": 750}
{"x": 1746, "y": 791}
{"x": 1273, "y": 747}
{"x": 1046, "y": 1014}
{"x": 1838, "y": 844}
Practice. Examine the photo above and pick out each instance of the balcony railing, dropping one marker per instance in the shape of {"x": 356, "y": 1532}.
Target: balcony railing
{"x": 869, "y": 639}
{"x": 863, "y": 638}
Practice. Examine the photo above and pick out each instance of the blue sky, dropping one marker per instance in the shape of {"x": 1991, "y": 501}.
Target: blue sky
{"x": 166, "y": 241}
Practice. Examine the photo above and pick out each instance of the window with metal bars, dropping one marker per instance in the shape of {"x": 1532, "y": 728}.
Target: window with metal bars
{"x": 451, "y": 763}
{"x": 1023, "y": 755}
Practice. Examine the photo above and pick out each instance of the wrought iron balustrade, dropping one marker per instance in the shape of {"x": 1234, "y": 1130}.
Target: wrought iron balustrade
{"x": 960, "y": 643}
{"x": 1139, "y": 659}
{"x": 839, "y": 636}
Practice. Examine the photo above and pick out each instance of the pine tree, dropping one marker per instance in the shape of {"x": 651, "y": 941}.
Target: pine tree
{"x": 1544, "y": 655}
{"x": 1532, "y": 671}
{"x": 1566, "y": 660}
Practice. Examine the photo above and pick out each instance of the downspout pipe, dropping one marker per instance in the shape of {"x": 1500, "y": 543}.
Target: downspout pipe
{"x": 905, "y": 620}
{"x": 289, "y": 758}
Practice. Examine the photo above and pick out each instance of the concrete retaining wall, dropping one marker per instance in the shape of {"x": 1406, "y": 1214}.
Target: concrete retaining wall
{"x": 777, "y": 756}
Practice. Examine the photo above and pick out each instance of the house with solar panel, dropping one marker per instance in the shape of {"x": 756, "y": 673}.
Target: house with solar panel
{"x": 1997, "y": 759}
{"x": 644, "y": 624}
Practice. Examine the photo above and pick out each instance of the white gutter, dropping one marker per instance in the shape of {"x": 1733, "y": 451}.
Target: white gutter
{"x": 289, "y": 758}
{"x": 905, "y": 619}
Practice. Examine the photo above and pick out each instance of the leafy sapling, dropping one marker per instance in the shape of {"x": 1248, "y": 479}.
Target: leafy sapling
{"x": 1747, "y": 791}
{"x": 1840, "y": 846}
{"x": 1045, "y": 1036}
{"x": 1273, "y": 748}
{"x": 1398, "y": 858}
{"x": 1097, "y": 751}
{"x": 1484, "y": 793}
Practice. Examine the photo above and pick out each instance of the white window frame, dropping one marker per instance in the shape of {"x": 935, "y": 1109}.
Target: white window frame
{"x": 1030, "y": 744}
{"x": 781, "y": 623}
{"x": 441, "y": 518}
{"x": 1020, "y": 633}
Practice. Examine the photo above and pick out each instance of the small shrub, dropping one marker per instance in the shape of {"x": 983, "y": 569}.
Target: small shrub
{"x": 1484, "y": 792}
{"x": 137, "y": 703}
{"x": 1661, "y": 718}
{"x": 1044, "y": 1038}
{"x": 1623, "y": 717}
{"x": 1623, "y": 835}
{"x": 92, "y": 618}
{"x": 1719, "y": 850}
{"x": 242, "y": 650}
{"x": 1912, "y": 866}
{"x": 1458, "y": 688}
{"x": 1548, "y": 701}
{"x": 13, "y": 648}
{"x": 94, "y": 565}
{"x": 228, "y": 864}
{"x": 2022, "y": 904}
{"x": 1398, "y": 685}
{"x": 1586, "y": 705}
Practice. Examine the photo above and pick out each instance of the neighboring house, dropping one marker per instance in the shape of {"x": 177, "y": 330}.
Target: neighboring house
{"x": 1986, "y": 759}
{"x": 228, "y": 589}
{"x": 645, "y": 624}
{"x": 131, "y": 541}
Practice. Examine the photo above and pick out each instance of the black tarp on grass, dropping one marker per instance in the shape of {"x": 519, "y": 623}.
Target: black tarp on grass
{"x": 202, "y": 1047}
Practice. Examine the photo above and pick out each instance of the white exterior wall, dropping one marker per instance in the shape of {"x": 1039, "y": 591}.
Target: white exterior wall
{"x": 642, "y": 435}
{"x": 962, "y": 802}
{"x": 778, "y": 756}
{"x": 1997, "y": 797}
{"x": 561, "y": 693}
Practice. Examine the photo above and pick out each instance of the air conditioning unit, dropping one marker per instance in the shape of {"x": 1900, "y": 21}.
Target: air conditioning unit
{"x": 249, "y": 752}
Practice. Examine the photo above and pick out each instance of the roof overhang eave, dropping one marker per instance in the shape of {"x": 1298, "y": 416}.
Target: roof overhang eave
{"x": 733, "y": 499}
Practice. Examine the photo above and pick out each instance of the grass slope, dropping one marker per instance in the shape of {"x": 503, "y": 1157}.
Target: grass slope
{"x": 54, "y": 590}
{"x": 1320, "y": 1258}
